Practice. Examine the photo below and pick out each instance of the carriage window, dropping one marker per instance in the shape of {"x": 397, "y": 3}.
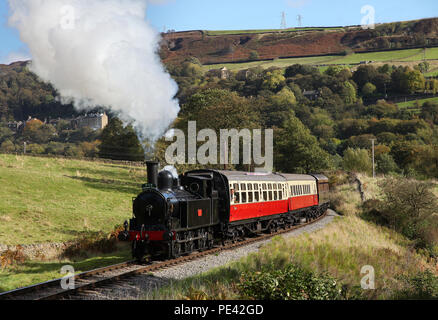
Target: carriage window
{"x": 270, "y": 195}
{"x": 269, "y": 186}
{"x": 256, "y": 196}
{"x": 256, "y": 186}
{"x": 250, "y": 186}
{"x": 237, "y": 197}
{"x": 243, "y": 197}
{"x": 264, "y": 186}
{"x": 265, "y": 196}
{"x": 243, "y": 186}
{"x": 280, "y": 195}
{"x": 236, "y": 186}
{"x": 275, "y": 195}
{"x": 250, "y": 197}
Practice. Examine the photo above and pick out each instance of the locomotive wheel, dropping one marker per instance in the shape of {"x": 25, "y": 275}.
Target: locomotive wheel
{"x": 176, "y": 250}
{"x": 203, "y": 241}
{"x": 190, "y": 246}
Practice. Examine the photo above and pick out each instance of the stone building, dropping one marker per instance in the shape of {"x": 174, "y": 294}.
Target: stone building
{"x": 95, "y": 121}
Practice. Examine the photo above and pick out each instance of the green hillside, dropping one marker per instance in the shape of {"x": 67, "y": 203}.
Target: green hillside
{"x": 392, "y": 57}
{"x": 54, "y": 200}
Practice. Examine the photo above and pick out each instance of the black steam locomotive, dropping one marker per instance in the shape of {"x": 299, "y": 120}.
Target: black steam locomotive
{"x": 176, "y": 216}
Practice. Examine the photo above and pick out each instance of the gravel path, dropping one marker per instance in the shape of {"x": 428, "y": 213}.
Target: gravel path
{"x": 136, "y": 287}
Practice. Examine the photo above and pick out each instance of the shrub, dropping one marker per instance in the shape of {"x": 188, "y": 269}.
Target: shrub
{"x": 7, "y": 146}
{"x": 36, "y": 149}
{"x": 410, "y": 207}
{"x": 357, "y": 160}
{"x": 291, "y": 283}
{"x": 386, "y": 164}
{"x": 98, "y": 242}
{"x": 10, "y": 257}
{"x": 423, "y": 285}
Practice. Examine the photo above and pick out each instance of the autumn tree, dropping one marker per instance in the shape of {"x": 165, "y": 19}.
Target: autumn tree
{"x": 297, "y": 150}
{"x": 120, "y": 142}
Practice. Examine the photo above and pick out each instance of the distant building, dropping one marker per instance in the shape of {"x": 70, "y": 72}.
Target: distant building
{"x": 225, "y": 73}
{"x": 16, "y": 126}
{"x": 311, "y": 94}
{"x": 95, "y": 121}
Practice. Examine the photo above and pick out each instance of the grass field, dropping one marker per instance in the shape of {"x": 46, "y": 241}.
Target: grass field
{"x": 231, "y": 32}
{"x": 54, "y": 200}
{"x": 409, "y": 55}
{"x": 413, "y": 104}
{"x": 33, "y": 272}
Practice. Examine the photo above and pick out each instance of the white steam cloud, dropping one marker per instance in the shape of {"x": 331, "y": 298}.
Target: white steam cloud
{"x": 100, "y": 53}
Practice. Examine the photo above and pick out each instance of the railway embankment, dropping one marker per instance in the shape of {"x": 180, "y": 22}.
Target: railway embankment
{"x": 341, "y": 250}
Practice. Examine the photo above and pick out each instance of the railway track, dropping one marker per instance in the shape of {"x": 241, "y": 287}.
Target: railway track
{"x": 89, "y": 280}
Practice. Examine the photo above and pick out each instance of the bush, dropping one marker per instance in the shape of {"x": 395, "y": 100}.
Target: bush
{"x": 410, "y": 207}
{"x": 73, "y": 151}
{"x": 386, "y": 164}
{"x": 36, "y": 149}
{"x": 424, "y": 285}
{"x": 357, "y": 160}
{"x": 98, "y": 242}
{"x": 11, "y": 257}
{"x": 55, "y": 148}
{"x": 291, "y": 283}
{"x": 7, "y": 146}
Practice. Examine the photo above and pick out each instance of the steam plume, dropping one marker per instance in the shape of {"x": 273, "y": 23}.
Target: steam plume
{"x": 100, "y": 53}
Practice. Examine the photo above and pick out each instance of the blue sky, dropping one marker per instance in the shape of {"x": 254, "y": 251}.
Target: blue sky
{"x": 249, "y": 14}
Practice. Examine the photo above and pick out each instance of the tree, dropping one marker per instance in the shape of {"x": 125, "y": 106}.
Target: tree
{"x": 386, "y": 164}
{"x": 274, "y": 80}
{"x": 407, "y": 81}
{"x": 410, "y": 207}
{"x": 368, "y": 89}
{"x": 218, "y": 109}
{"x": 357, "y": 160}
{"x": 297, "y": 150}
{"x": 295, "y": 69}
{"x": 190, "y": 69}
{"x": 363, "y": 75}
{"x": 5, "y": 133}
{"x": 429, "y": 112}
{"x": 423, "y": 67}
{"x": 7, "y": 146}
{"x": 120, "y": 142}
{"x": 284, "y": 97}
{"x": 348, "y": 92}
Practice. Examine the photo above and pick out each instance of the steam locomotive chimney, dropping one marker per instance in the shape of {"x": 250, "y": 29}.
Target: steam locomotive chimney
{"x": 152, "y": 168}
